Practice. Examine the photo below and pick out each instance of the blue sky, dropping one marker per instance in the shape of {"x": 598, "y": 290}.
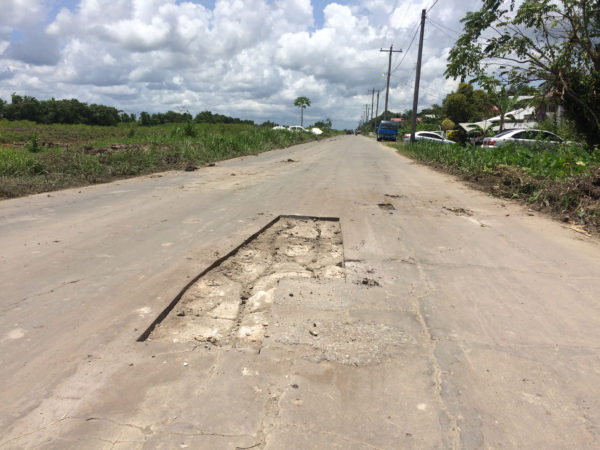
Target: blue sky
{"x": 247, "y": 58}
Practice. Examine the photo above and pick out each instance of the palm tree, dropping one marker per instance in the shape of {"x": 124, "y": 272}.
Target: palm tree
{"x": 302, "y": 102}
{"x": 502, "y": 101}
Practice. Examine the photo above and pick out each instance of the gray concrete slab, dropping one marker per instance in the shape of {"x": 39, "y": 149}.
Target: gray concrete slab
{"x": 462, "y": 321}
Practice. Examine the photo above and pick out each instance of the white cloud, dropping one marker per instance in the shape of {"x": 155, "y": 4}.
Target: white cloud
{"x": 247, "y": 58}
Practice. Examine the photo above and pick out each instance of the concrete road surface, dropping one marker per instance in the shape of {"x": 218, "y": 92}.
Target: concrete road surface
{"x": 430, "y": 316}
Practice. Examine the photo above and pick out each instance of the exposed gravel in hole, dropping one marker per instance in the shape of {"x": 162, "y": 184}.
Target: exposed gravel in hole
{"x": 230, "y": 305}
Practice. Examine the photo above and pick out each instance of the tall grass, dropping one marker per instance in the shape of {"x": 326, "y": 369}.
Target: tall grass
{"x": 556, "y": 164}
{"x": 35, "y": 158}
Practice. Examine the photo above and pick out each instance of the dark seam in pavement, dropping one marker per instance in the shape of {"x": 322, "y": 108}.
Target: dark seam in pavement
{"x": 24, "y": 299}
{"x": 431, "y": 343}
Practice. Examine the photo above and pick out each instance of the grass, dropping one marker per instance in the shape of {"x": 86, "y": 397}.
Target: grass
{"x": 564, "y": 181}
{"x": 38, "y": 158}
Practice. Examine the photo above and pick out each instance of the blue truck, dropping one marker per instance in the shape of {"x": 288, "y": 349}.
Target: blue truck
{"x": 387, "y": 130}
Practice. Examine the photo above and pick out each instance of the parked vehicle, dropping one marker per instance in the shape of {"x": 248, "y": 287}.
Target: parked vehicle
{"x": 525, "y": 137}
{"x": 297, "y": 128}
{"x": 427, "y": 136}
{"x": 387, "y": 130}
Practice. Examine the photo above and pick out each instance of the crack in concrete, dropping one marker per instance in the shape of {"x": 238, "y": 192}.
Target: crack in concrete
{"x": 118, "y": 441}
{"x": 39, "y": 294}
{"x": 331, "y": 433}
{"x": 209, "y": 433}
{"x": 42, "y": 428}
{"x": 271, "y": 412}
{"x": 144, "y": 430}
{"x": 469, "y": 266}
{"x": 430, "y": 344}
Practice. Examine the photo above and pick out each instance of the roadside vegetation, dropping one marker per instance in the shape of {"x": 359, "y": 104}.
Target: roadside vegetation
{"x": 38, "y": 158}
{"x": 564, "y": 181}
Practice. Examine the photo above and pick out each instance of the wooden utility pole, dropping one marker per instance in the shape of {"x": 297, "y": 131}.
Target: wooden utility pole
{"x": 387, "y": 89}
{"x": 372, "y": 98}
{"x": 377, "y": 108}
{"x": 413, "y": 125}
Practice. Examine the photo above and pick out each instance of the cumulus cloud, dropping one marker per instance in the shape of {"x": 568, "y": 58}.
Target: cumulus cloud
{"x": 247, "y": 58}
{"x": 22, "y": 38}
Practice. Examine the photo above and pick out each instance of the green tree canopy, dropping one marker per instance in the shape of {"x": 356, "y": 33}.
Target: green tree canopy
{"x": 323, "y": 124}
{"x": 552, "y": 42}
{"x": 457, "y": 107}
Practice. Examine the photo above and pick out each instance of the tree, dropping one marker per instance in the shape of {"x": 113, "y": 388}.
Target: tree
{"x": 481, "y": 106}
{"x": 467, "y": 104}
{"x": 145, "y": 119}
{"x": 302, "y": 103}
{"x": 549, "y": 41}
{"x": 502, "y": 98}
{"x": 457, "y": 107}
{"x": 323, "y": 124}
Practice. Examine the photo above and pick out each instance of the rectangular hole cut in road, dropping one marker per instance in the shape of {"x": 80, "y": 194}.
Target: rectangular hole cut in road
{"x": 229, "y": 302}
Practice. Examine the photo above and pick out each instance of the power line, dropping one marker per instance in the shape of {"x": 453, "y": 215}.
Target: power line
{"x": 444, "y": 26}
{"x": 441, "y": 30}
{"x": 439, "y": 95}
{"x": 408, "y": 48}
{"x": 431, "y": 7}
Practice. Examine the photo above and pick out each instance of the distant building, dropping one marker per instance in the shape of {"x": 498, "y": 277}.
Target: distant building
{"x": 526, "y": 117}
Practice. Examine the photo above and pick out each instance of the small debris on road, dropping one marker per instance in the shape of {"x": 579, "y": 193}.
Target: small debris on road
{"x": 387, "y": 206}
{"x": 368, "y": 282}
{"x": 459, "y": 211}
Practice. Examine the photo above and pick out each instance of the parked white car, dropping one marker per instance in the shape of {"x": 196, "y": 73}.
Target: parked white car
{"x": 297, "y": 128}
{"x": 427, "y": 136}
{"x": 315, "y": 130}
{"x": 525, "y": 137}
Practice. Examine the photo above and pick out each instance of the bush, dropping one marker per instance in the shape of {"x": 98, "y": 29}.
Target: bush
{"x": 33, "y": 145}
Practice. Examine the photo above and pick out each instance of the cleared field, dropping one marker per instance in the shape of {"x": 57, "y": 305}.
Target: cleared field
{"x": 38, "y": 158}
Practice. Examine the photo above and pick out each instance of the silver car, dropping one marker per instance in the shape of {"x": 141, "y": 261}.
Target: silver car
{"x": 427, "y": 136}
{"x": 524, "y": 137}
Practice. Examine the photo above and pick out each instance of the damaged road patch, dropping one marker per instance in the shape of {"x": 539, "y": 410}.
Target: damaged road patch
{"x": 229, "y": 304}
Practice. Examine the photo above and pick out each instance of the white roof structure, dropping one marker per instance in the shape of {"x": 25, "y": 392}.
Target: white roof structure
{"x": 517, "y": 118}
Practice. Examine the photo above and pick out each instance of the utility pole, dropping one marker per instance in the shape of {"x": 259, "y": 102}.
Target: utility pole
{"x": 366, "y": 112}
{"x": 387, "y": 89}
{"x": 377, "y": 108}
{"x": 413, "y": 125}
{"x": 372, "y": 98}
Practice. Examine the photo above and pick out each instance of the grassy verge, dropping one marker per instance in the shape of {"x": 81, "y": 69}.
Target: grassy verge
{"x": 39, "y": 158}
{"x": 564, "y": 181}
